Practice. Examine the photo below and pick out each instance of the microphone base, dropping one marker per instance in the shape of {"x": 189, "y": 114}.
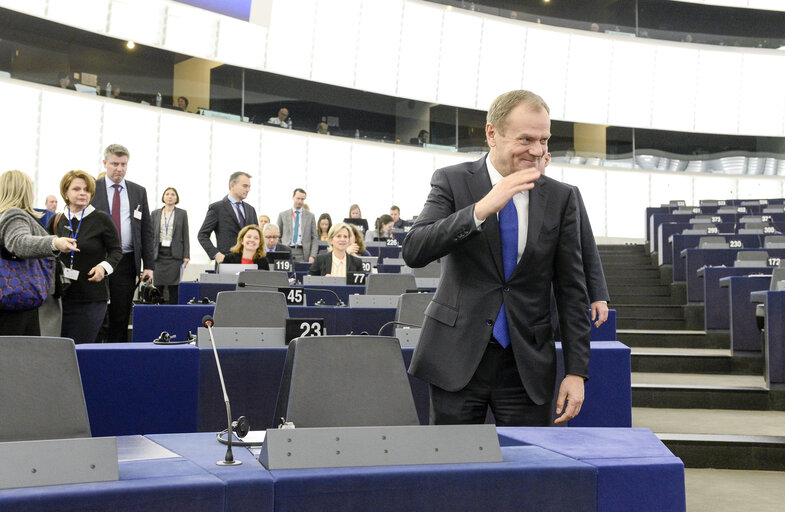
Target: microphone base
{"x": 228, "y": 463}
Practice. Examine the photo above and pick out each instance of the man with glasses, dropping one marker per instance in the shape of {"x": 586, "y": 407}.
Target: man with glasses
{"x": 272, "y": 237}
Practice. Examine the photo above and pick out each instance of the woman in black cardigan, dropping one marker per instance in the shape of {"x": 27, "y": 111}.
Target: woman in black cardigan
{"x": 249, "y": 248}
{"x": 336, "y": 262}
{"x": 85, "y": 298}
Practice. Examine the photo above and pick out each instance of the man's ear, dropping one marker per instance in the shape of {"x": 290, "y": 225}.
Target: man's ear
{"x": 490, "y": 134}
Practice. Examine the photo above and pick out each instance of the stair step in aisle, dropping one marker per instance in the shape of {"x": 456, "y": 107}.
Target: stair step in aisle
{"x": 711, "y": 407}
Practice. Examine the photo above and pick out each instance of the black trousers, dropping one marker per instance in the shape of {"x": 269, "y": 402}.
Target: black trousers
{"x": 495, "y": 384}
{"x": 122, "y": 285}
{"x": 82, "y": 320}
{"x": 19, "y": 323}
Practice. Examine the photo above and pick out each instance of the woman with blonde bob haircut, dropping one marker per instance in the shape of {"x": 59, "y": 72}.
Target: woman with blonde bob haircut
{"x": 337, "y": 262}
{"x": 85, "y": 298}
{"x": 249, "y": 248}
{"x": 22, "y": 237}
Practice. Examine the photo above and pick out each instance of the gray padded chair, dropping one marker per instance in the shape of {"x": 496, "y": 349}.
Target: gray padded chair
{"x": 432, "y": 269}
{"x": 411, "y": 307}
{"x": 250, "y": 309}
{"x": 345, "y": 381}
{"x": 713, "y": 242}
{"x": 390, "y": 284}
{"x": 41, "y": 396}
{"x": 263, "y": 277}
{"x": 751, "y": 259}
{"x": 774, "y": 242}
{"x": 695, "y": 231}
{"x": 701, "y": 219}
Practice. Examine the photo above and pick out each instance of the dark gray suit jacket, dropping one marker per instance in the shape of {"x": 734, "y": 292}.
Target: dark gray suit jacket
{"x": 141, "y": 230}
{"x": 222, "y": 219}
{"x": 459, "y": 320}
{"x": 181, "y": 245}
{"x": 592, "y": 266}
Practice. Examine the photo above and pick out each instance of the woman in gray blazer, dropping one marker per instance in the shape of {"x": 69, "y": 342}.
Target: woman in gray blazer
{"x": 172, "y": 250}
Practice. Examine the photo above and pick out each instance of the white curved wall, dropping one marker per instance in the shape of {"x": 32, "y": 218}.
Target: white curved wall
{"x": 432, "y": 53}
{"x": 47, "y": 131}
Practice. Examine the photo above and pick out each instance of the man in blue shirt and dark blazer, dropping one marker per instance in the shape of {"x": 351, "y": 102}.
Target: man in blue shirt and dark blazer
{"x": 126, "y": 203}
{"x": 227, "y": 217}
{"x": 506, "y": 235}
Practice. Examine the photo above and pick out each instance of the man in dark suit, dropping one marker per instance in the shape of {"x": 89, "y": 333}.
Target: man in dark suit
{"x": 298, "y": 229}
{"x": 592, "y": 267}
{"x": 126, "y": 203}
{"x": 272, "y": 235}
{"x": 227, "y": 217}
{"x": 487, "y": 338}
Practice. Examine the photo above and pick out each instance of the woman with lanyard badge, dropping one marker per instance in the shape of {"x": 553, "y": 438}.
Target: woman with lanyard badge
{"x": 172, "y": 250}
{"x": 86, "y": 296}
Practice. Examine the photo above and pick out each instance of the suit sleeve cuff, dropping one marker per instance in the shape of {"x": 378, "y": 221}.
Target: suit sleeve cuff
{"x": 107, "y": 267}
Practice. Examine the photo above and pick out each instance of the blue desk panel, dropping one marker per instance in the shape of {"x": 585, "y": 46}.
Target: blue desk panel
{"x": 774, "y": 335}
{"x": 530, "y": 478}
{"x": 247, "y": 486}
{"x": 634, "y": 460}
{"x": 136, "y": 388}
{"x": 543, "y": 469}
{"x": 681, "y": 242}
{"x": 149, "y": 320}
{"x": 716, "y": 312}
{"x": 699, "y": 258}
{"x": 668, "y": 229}
{"x": 161, "y": 485}
{"x": 744, "y": 333}
{"x": 141, "y": 388}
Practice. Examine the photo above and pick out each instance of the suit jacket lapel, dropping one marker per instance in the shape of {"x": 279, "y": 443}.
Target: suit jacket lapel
{"x": 232, "y": 211}
{"x": 538, "y": 198}
{"x": 480, "y": 184}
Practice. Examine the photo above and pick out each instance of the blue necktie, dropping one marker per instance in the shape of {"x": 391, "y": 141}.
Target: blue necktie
{"x": 508, "y": 226}
{"x": 296, "y": 234}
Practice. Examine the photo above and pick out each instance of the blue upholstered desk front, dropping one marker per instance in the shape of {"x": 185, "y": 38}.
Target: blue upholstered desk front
{"x": 543, "y": 470}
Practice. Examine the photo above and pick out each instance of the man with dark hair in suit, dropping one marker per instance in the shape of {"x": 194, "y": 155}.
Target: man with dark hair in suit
{"x": 506, "y": 235}
{"x": 227, "y": 217}
{"x": 298, "y": 229}
{"x": 126, "y": 203}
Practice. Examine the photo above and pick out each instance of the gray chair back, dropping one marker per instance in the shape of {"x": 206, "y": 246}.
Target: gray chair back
{"x": 41, "y": 395}
{"x": 345, "y": 381}
{"x": 411, "y": 307}
{"x": 751, "y": 259}
{"x": 432, "y": 269}
{"x": 250, "y": 309}
{"x": 713, "y": 242}
{"x": 774, "y": 242}
{"x": 263, "y": 277}
{"x": 390, "y": 284}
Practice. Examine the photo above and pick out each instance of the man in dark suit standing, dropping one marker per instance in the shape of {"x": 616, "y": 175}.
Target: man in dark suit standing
{"x": 227, "y": 217}
{"x": 126, "y": 203}
{"x": 506, "y": 234}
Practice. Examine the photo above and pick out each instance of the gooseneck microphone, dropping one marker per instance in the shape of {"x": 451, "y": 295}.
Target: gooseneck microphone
{"x": 338, "y": 301}
{"x": 229, "y": 460}
{"x": 395, "y": 322}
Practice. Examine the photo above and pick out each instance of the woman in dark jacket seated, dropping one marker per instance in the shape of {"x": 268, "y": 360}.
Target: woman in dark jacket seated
{"x": 336, "y": 262}
{"x": 249, "y": 248}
